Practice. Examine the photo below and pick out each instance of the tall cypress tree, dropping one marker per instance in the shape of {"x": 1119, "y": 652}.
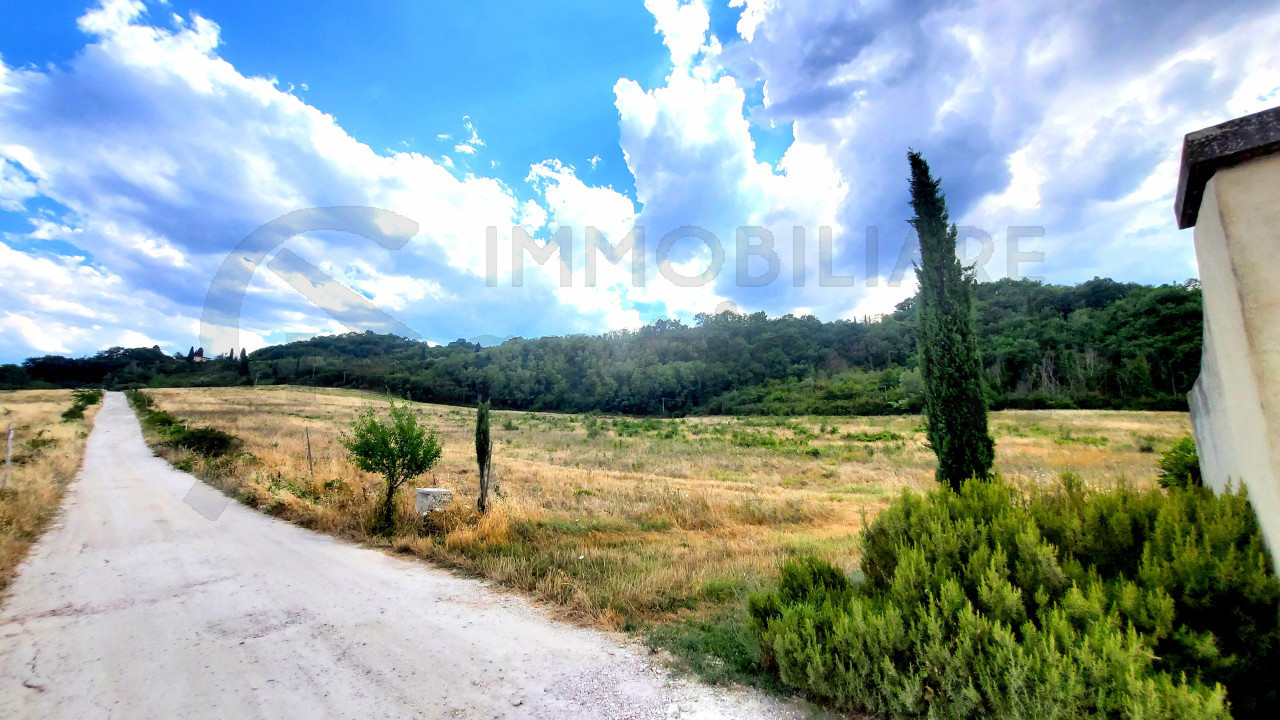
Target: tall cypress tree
{"x": 955, "y": 411}
{"x": 484, "y": 454}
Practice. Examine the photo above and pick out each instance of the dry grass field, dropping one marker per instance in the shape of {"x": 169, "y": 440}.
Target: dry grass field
{"x": 46, "y": 455}
{"x": 626, "y": 522}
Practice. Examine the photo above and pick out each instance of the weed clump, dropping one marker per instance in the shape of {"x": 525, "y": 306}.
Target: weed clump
{"x": 885, "y": 435}
{"x": 86, "y": 396}
{"x": 80, "y": 401}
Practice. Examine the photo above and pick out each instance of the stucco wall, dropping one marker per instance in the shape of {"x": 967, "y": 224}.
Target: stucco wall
{"x": 1236, "y": 401}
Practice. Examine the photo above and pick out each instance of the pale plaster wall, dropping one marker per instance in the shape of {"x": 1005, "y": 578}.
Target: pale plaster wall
{"x": 1236, "y": 400}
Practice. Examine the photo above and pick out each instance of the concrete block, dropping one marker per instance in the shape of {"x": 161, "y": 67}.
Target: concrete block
{"x": 432, "y": 500}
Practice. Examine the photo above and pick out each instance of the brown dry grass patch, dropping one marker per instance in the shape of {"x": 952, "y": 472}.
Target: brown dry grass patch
{"x": 623, "y": 521}
{"x": 46, "y": 455}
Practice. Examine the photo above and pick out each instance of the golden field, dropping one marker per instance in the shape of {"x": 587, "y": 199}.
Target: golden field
{"x": 46, "y": 455}
{"x": 626, "y": 522}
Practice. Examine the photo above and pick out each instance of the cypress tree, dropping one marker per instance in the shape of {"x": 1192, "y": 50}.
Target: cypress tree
{"x": 484, "y": 454}
{"x": 244, "y": 362}
{"x": 955, "y": 410}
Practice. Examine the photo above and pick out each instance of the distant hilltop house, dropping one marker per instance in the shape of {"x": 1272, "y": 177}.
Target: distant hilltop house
{"x": 197, "y": 356}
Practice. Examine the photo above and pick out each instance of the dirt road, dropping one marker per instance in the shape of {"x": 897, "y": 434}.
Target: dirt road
{"x": 153, "y": 599}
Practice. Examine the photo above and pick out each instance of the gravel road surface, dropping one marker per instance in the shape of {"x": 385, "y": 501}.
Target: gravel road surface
{"x": 154, "y": 597}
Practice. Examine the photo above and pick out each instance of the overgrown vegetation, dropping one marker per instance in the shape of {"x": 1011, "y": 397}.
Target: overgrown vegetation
{"x": 80, "y": 400}
{"x": 954, "y": 408}
{"x": 1100, "y": 344}
{"x": 720, "y": 647}
{"x": 202, "y": 441}
{"x": 995, "y": 602}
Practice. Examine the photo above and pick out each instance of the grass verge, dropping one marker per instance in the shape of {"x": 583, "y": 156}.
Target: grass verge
{"x": 48, "y": 449}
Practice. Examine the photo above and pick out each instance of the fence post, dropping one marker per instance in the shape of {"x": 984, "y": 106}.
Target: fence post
{"x": 310, "y": 466}
{"x": 8, "y": 458}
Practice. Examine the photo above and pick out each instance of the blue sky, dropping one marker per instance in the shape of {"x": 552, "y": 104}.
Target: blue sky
{"x": 140, "y": 143}
{"x": 538, "y": 81}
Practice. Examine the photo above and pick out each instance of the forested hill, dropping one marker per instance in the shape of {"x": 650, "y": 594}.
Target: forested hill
{"x": 1098, "y": 344}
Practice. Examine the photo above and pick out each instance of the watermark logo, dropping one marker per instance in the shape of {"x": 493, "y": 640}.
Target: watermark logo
{"x": 757, "y": 257}
{"x": 224, "y": 301}
{"x": 753, "y": 258}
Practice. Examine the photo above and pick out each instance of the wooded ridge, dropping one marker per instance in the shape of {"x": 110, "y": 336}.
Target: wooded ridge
{"x": 1099, "y": 344}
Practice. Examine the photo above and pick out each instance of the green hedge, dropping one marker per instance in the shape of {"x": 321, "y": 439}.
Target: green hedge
{"x": 997, "y": 603}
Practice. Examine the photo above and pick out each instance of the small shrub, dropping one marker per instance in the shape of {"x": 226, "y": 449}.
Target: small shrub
{"x": 399, "y": 448}
{"x": 86, "y": 397}
{"x": 748, "y": 438}
{"x": 75, "y": 412}
{"x": 205, "y": 441}
{"x": 139, "y": 400}
{"x": 671, "y": 432}
{"x": 1180, "y": 466}
{"x": 1146, "y": 444}
{"x": 159, "y": 420}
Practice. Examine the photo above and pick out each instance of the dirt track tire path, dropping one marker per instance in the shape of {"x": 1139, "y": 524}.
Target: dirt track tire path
{"x": 136, "y": 604}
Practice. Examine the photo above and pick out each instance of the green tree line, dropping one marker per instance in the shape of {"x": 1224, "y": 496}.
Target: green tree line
{"x": 1099, "y": 344}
